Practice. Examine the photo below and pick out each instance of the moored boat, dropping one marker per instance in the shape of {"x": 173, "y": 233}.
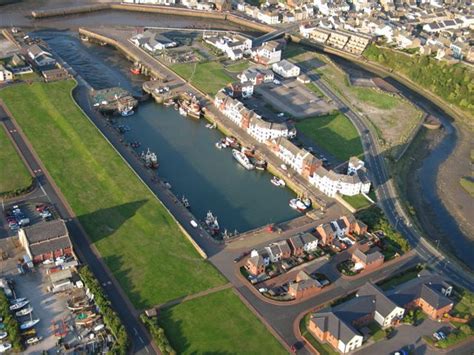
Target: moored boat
{"x": 29, "y": 324}
{"x": 135, "y": 70}
{"x": 150, "y": 159}
{"x": 19, "y": 305}
{"x": 297, "y": 204}
{"x": 242, "y": 159}
{"x": 278, "y": 182}
{"x": 185, "y": 202}
{"x": 33, "y": 340}
{"x": 17, "y": 300}
{"x": 3, "y": 335}
{"x": 24, "y": 312}
{"x": 260, "y": 164}
{"x": 212, "y": 223}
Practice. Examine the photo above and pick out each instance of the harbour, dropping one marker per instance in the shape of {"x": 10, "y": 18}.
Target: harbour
{"x": 209, "y": 178}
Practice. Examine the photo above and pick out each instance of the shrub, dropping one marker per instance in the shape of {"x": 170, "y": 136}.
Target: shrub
{"x": 12, "y": 327}
{"x": 158, "y": 334}
{"x": 111, "y": 319}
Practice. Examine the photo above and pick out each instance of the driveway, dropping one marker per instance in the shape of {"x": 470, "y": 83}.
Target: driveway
{"x": 408, "y": 338}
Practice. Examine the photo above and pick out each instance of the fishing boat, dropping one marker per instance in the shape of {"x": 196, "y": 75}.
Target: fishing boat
{"x": 150, "y": 159}
{"x": 182, "y": 111}
{"x": 126, "y": 111}
{"x": 211, "y": 222}
{"x": 135, "y": 69}
{"x": 191, "y": 106}
{"x": 278, "y": 182}
{"x": 232, "y": 142}
{"x": 3, "y": 335}
{"x": 242, "y": 159}
{"x": 185, "y": 202}
{"x": 306, "y": 201}
{"x": 29, "y": 324}
{"x": 169, "y": 102}
{"x": 99, "y": 327}
{"x": 24, "y": 312}
{"x": 260, "y": 164}
{"x": 211, "y": 125}
{"x": 86, "y": 318}
{"x": 19, "y": 305}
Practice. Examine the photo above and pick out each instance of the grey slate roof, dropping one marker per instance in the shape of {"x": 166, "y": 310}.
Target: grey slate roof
{"x": 369, "y": 257}
{"x": 426, "y": 286}
{"x": 308, "y": 238}
{"x": 50, "y": 245}
{"x": 383, "y": 304}
{"x": 46, "y": 231}
{"x": 296, "y": 241}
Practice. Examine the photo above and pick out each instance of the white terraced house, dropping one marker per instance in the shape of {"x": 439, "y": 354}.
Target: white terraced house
{"x": 331, "y": 183}
{"x": 263, "y": 131}
{"x": 300, "y": 160}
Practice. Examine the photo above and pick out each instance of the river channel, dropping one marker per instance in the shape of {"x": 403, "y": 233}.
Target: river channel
{"x": 210, "y": 178}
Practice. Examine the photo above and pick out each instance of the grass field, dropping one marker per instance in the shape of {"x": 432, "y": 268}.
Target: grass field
{"x": 208, "y": 77}
{"x": 136, "y": 236}
{"x": 13, "y": 173}
{"x": 377, "y": 99}
{"x": 218, "y": 323}
{"x": 238, "y": 67}
{"x": 314, "y": 89}
{"x": 357, "y": 201}
{"x": 468, "y": 185}
{"x": 334, "y": 133}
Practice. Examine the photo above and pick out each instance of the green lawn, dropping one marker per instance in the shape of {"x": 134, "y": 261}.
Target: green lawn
{"x": 334, "y": 133}
{"x": 322, "y": 348}
{"x": 13, "y": 173}
{"x": 376, "y": 98}
{"x": 314, "y": 89}
{"x": 398, "y": 279}
{"x": 357, "y": 201}
{"x": 238, "y": 67}
{"x": 292, "y": 50}
{"x": 136, "y": 236}
{"x": 217, "y": 324}
{"x": 208, "y": 77}
{"x": 376, "y": 332}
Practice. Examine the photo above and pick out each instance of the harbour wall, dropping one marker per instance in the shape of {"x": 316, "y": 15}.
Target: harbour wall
{"x": 167, "y": 10}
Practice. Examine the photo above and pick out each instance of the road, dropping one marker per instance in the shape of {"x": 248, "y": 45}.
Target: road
{"x": 82, "y": 246}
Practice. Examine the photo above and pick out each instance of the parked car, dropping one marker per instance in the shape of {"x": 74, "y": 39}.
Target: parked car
{"x": 263, "y": 289}
{"x": 193, "y": 223}
{"x": 437, "y": 336}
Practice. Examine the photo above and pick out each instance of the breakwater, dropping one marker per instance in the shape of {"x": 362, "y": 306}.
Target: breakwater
{"x": 167, "y": 10}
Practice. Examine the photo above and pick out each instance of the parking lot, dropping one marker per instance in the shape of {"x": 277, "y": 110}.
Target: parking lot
{"x": 295, "y": 98}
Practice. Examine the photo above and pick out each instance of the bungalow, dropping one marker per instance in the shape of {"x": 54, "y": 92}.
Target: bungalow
{"x": 40, "y": 57}
{"x": 152, "y": 41}
{"x": 428, "y": 291}
{"x": 303, "y": 286}
{"x": 367, "y": 261}
{"x": 286, "y": 69}
{"x": 268, "y": 53}
{"x": 46, "y": 240}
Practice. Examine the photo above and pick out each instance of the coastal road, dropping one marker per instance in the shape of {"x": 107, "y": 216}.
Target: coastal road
{"x": 388, "y": 197}
{"x": 87, "y": 254}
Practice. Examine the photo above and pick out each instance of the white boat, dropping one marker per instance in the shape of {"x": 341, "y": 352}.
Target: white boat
{"x": 3, "y": 335}
{"x": 242, "y": 159}
{"x": 278, "y": 182}
{"x": 185, "y": 202}
{"x": 284, "y": 167}
{"x": 219, "y": 145}
{"x": 19, "y": 305}
{"x": 33, "y": 340}
{"x": 24, "y": 312}
{"x": 297, "y": 204}
{"x": 29, "y": 324}
{"x": 98, "y": 327}
{"x": 212, "y": 223}
{"x": 182, "y": 111}
{"x": 4, "y": 347}
{"x": 127, "y": 112}
{"x": 292, "y": 203}
{"x": 17, "y": 300}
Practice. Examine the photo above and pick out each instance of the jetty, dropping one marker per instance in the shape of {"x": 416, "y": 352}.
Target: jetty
{"x": 111, "y": 99}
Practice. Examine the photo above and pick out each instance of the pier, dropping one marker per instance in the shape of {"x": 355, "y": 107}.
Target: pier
{"x": 119, "y": 39}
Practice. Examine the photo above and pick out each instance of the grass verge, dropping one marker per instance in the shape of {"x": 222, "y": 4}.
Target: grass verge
{"x": 400, "y": 278}
{"x": 323, "y": 349}
{"x": 218, "y": 323}
{"x": 135, "y": 235}
{"x": 208, "y": 77}
{"x": 468, "y": 185}
{"x": 13, "y": 173}
{"x": 335, "y": 133}
{"x": 375, "y": 98}
{"x": 357, "y": 201}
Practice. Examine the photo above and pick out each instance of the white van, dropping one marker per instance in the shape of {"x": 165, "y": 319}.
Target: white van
{"x": 193, "y": 223}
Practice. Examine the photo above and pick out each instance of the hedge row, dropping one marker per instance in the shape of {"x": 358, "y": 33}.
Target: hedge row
{"x": 12, "y": 327}
{"x": 111, "y": 319}
{"x": 158, "y": 334}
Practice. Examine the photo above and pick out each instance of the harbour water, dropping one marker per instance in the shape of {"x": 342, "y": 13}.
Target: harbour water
{"x": 210, "y": 178}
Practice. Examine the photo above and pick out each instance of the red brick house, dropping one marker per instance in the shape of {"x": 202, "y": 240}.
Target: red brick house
{"x": 255, "y": 265}
{"x": 47, "y": 240}
{"x": 326, "y": 232}
{"x": 355, "y": 226}
{"x": 303, "y": 286}
{"x": 296, "y": 245}
{"x": 368, "y": 261}
{"x": 428, "y": 292}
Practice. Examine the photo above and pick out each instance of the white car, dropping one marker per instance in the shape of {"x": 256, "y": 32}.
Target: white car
{"x": 437, "y": 336}
{"x": 263, "y": 289}
{"x": 276, "y": 82}
{"x": 4, "y": 347}
{"x": 193, "y": 223}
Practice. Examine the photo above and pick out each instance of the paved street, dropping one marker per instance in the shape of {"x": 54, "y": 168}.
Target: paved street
{"x": 86, "y": 252}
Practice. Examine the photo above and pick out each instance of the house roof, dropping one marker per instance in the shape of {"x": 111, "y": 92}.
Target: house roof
{"x": 383, "y": 304}
{"x": 368, "y": 258}
{"x": 45, "y": 231}
{"x": 50, "y": 245}
{"x": 308, "y": 238}
{"x": 256, "y": 261}
{"x": 284, "y": 247}
{"x": 426, "y": 286}
{"x": 296, "y": 241}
